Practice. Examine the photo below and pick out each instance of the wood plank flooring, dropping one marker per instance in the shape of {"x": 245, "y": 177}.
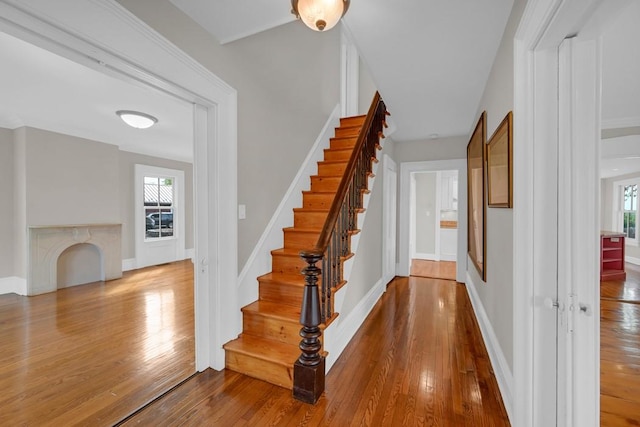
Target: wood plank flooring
{"x": 433, "y": 269}
{"x": 620, "y": 350}
{"x": 418, "y": 360}
{"x": 92, "y": 354}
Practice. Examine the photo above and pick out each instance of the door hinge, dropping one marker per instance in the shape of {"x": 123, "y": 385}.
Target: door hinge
{"x": 571, "y": 312}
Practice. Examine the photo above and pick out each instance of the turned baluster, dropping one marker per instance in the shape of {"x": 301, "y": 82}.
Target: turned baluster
{"x": 308, "y": 371}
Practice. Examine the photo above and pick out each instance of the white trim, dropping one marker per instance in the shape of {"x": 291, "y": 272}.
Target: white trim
{"x": 158, "y": 251}
{"x": 626, "y": 122}
{"x": 105, "y": 36}
{"x": 349, "y": 75}
{"x": 429, "y": 257}
{"x": 259, "y": 262}
{"x": 406, "y": 168}
{"x": 132, "y": 264}
{"x": 129, "y": 264}
{"x": 389, "y": 217}
{"x": 496, "y": 355}
{"x": 632, "y": 260}
{"x": 337, "y": 338}
{"x": 13, "y": 285}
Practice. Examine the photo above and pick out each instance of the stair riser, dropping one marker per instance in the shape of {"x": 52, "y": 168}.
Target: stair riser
{"x": 282, "y": 293}
{"x": 317, "y": 200}
{"x": 299, "y": 240}
{"x": 331, "y": 169}
{"x": 284, "y": 331}
{"x": 347, "y": 131}
{"x": 342, "y": 143}
{"x": 309, "y": 219}
{"x": 319, "y": 183}
{"x": 261, "y": 369}
{"x": 287, "y": 264}
{"x": 343, "y": 155}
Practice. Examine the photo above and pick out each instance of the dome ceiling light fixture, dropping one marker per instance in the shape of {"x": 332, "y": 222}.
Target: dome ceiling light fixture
{"x": 136, "y": 119}
{"x": 319, "y": 15}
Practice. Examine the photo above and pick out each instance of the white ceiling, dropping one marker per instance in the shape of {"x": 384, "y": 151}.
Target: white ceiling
{"x": 43, "y": 90}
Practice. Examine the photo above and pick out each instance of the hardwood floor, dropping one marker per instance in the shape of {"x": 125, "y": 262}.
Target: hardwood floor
{"x": 418, "y": 360}
{"x": 620, "y": 350}
{"x": 433, "y": 269}
{"x": 92, "y": 354}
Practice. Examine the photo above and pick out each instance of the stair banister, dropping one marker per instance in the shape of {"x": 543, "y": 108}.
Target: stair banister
{"x": 331, "y": 248}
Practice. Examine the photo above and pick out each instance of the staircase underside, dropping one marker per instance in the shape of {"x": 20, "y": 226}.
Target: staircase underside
{"x": 268, "y": 346}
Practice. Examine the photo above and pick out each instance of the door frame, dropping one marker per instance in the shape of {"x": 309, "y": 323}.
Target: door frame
{"x": 389, "y": 216}
{"x": 406, "y": 169}
{"x": 105, "y": 36}
{"x": 556, "y": 112}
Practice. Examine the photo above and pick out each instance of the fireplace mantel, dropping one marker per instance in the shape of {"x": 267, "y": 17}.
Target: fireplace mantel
{"x": 47, "y": 242}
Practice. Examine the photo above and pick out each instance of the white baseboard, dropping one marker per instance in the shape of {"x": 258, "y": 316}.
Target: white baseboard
{"x": 13, "y": 285}
{"x": 632, "y": 260}
{"x": 498, "y": 361}
{"x": 340, "y": 332}
{"x": 131, "y": 263}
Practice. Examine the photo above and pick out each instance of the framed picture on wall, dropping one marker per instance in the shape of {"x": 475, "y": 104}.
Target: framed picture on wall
{"x": 476, "y": 206}
{"x": 500, "y": 165}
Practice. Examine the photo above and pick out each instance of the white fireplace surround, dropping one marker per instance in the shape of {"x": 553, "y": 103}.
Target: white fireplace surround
{"x": 46, "y": 243}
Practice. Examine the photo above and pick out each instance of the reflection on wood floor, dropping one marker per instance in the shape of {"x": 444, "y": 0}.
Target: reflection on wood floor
{"x": 433, "y": 269}
{"x": 92, "y": 354}
{"x": 418, "y": 360}
{"x": 620, "y": 350}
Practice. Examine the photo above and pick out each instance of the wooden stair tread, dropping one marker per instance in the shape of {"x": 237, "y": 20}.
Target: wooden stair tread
{"x": 274, "y": 310}
{"x": 289, "y": 279}
{"x": 333, "y": 162}
{"x": 303, "y": 230}
{"x": 310, "y": 210}
{"x": 264, "y": 349}
{"x": 286, "y": 252}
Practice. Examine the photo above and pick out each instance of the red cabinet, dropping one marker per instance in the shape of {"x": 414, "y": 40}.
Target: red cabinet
{"x": 612, "y": 256}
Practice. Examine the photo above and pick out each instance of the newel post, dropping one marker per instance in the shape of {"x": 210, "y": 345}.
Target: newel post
{"x": 308, "y": 371}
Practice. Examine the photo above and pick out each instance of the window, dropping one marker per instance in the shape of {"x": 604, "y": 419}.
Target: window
{"x": 629, "y": 210}
{"x": 158, "y": 206}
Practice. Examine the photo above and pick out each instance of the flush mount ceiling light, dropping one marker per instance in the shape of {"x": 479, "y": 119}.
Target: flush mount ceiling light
{"x": 137, "y": 119}
{"x": 319, "y": 15}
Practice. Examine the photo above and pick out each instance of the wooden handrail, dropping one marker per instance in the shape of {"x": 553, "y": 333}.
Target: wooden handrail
{"x": 334, "y": 211}
{"x": 331, "y": 248}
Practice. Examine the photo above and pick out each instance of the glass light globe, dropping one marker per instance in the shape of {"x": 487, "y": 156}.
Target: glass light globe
{"x": 320, "y": 15}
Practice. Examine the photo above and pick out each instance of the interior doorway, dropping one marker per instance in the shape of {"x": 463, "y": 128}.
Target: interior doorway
{"x": 434, "y": 224}
{"x": 432, "y": 194}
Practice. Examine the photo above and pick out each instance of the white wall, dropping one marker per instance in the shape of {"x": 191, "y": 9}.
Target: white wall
{"x": 70, "y": 180}
{"x": 367, "y": 262}
{"x": 496, "y": 294}
{"x": 288, "y": 82}
{"x": 432, "y": 149}
{"x": 6, "y": 195}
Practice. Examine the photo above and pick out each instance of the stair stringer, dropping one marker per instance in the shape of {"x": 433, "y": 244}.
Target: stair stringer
{"x": 337, "y": 335}
{"x": 259, "y": 261}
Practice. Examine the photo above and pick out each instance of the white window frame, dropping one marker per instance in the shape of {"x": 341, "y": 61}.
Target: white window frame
{"x": 173, "y": 207}
{"x": 618, "y": 209}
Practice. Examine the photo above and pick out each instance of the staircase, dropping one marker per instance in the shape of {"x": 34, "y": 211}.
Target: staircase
{"x": 268, "y": 346}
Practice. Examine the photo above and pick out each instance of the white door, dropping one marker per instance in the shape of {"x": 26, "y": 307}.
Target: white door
{"x": 159, "y": 217}
{"x": 390, "y": 186}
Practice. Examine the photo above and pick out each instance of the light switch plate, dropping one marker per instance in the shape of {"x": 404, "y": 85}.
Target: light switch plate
{"x": 242, "y": 211}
